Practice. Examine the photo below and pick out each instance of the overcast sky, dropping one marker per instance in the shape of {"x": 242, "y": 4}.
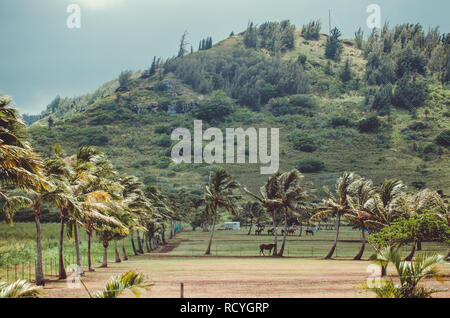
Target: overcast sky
{"x": 40, "y": 57}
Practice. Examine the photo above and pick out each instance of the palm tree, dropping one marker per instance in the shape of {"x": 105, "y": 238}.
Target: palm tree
{"x": 337, "y": 205}
{"x": 282, "y": 195}
{"x": 60, "y": 172}
{"x": 22, "y": 168}
{"x": 254, "y": 212}
{"x": 361, "y": 203}
{"x": 219, "y": 194}
{"x": 410, "y": 274}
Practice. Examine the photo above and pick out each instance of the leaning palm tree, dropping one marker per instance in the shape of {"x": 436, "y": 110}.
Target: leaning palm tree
{"x": 337, "y": 205}
{"x": 19, "y": 167}
{"x": 282, "y": 195}
{"x": 410, "y": 274}
{"x": 360, "y": 206}
{"x": 219, "y": 194}
{"x": 60, "y": 172}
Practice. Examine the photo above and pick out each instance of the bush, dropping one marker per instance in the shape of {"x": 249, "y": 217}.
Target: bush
{"x": 310, "y": 165}
{"x": 368, "y": 125}
{"x": 218, "y": 106}
{"x": 417, "y": 126}
{"x": 410, "y": 94}
{"x": 340, "y": 121}
{"x": 444, "y": 138}
{"x": 164, "y": 141}
{"x": 305, "y": 144}
{"x": 162, "y": 129}
{"x": 97, "y": 140}
{"x": 295, "y": 104}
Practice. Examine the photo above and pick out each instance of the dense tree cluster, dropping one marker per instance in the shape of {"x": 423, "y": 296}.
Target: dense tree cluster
{"x": 401, "y": 56}
{"x": 205, "y": 44}
{"x": 251, "y": 79}
{"x": 272, "y": 36}
{"x": 311, "y": 30}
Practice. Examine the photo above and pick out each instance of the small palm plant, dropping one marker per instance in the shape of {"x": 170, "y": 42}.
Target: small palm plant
{"x": 410, "y": 274}
{"x": 116, "y": 285}
{"x": 19, "y": 289}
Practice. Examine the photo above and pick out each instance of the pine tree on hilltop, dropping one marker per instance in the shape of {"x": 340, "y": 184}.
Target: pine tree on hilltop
{"x": 346, "y": 74}
{"x": 153, "y": 67}
{"x": 334, "y": 46}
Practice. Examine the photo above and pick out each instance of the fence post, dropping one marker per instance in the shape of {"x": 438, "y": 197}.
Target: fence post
{"x": 15, "y": 271}
{"x": 29, "y": 271}
{"x": 181, "y": 290}
{"x": 7, "y": 273}
{"x": 23, "y": 271}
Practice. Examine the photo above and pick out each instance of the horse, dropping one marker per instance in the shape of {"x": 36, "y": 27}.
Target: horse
{"x": 309, "y": 232}
{"x": 268, "y": 247}
{"x": 258, "y": 232}
{"x": 291, "y": 231}
{"x": 270, "y": 231}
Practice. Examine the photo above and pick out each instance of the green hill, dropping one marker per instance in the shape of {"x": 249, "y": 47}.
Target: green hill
{"x": 377, "y": 111}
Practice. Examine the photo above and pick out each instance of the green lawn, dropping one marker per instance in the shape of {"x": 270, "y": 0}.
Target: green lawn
{"x": 18, "y": 247}
{"x": 238, "y": 243}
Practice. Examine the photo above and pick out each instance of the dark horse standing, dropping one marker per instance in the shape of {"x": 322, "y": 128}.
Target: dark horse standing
{"x": 268, "y": 247}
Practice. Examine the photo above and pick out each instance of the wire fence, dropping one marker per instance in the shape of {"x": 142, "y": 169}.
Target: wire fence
{"x": 25, "y": 270}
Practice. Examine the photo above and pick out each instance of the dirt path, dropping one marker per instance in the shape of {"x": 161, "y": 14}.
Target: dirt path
{"x": 236, "y": 277}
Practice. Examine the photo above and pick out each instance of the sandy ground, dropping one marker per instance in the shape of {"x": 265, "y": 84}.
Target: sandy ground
{"x": 237, "y": 277}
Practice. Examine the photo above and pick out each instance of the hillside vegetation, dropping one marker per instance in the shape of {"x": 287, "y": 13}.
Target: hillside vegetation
{"x": 378, "y": 107}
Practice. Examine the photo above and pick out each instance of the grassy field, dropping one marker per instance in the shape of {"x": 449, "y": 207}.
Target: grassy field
{"x": 18, "y": 247}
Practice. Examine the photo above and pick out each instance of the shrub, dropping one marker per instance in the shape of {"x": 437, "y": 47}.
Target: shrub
{"x": 164, "y": 141}
{"x": 162, "y": 129}
{"x": 417, "y": 126}
{"x": 340, "y": 121}
{"x": 218, "y": 106}
{"x": 310, "y": 165}
{"x": 295, "y": 104}
{"x": 444, "y": 138}
{"x": 410, "y": 94}
{"x": 305, "y": 144}
{"x": 371, "y": 124}
{"x": 97, "y": 140}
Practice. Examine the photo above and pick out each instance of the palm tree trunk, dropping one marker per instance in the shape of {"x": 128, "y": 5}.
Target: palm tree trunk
{"x": 124, "y": 251}
{"x": 147, "y": 239}
{"x": 211, "y": 234}
{"x": 383, "y": 270}
{"x": 419, "y": 245}
{"x": 116, "y": 250}
{"x": 77, "y": 248}
{"x": 39, "y": 272}
{"x": 132, "y": 244}
{"x": 105, "y": 255}
{"x": 275, "y": 242}
{"x": 250, "y": 229}
{"x": 280, "y": 254}
{"x": 363, "y": 246}
{"x": 411, "y": 254}
{"x": 62, "y": 270}
{"x": 140, "y": 250}
{"x": 90, "y": 267}
{"x": 163, "y": 234}
{"x": 333, "y": 248}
